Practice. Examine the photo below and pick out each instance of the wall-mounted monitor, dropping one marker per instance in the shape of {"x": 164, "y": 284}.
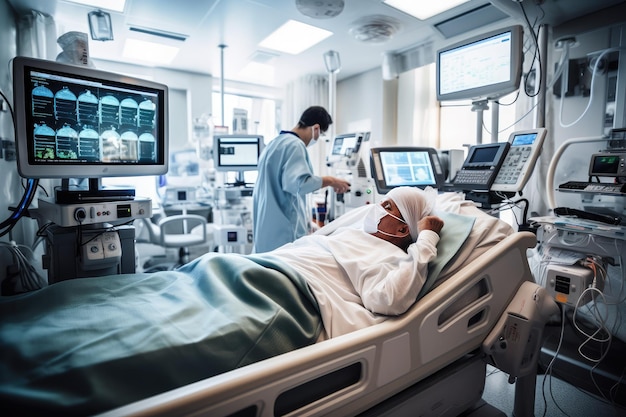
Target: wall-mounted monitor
{"x": 486, "y": 66}
{"x": 78, "y": 122}
{"x": 237, "y": 153}
{"x": 398, "y": 166}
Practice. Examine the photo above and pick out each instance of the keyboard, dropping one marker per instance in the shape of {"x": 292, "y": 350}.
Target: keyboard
{"x": 473, "y": 176}
{"x": 597, "y": 187}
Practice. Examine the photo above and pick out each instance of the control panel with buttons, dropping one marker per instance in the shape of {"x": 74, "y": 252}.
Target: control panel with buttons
{"x": 84, "y": 213}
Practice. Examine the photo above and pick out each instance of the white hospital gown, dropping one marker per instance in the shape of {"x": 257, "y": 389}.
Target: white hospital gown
{"x": 359, "y": 279}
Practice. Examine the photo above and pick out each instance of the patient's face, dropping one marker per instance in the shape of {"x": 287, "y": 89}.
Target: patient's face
{"x": 390, "y": 224}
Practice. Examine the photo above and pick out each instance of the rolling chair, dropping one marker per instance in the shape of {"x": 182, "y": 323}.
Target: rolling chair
{"x": 178, "y": 231}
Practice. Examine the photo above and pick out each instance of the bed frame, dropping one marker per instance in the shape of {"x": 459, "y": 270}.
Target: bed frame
{"x": 352, "y": 373}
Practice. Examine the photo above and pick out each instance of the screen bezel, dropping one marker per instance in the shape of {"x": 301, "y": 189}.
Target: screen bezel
{"x": 501, "y": 149}
{"x": 595, "y": 163}
{"x": 221, "y": 167}
{"x": 24, "y": 133}
{"x": 337, "y": 156}
{"x": 490, "y": 91}
{"x": 377, "y": 170}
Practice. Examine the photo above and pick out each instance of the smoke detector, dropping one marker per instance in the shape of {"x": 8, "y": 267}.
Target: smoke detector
{"x": 375, "y": 29}
{"x": 320, "y": 9}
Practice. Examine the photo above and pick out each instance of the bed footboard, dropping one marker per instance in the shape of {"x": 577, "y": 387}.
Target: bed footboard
{"x": 351, "y": 373}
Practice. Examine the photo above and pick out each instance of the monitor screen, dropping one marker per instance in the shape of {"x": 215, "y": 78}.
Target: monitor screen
{"x": 486, "y": 156}
{"x": 607, "y": 165}
{"x": 524, "y": 139}
{"x": 483, "y": 156}
{"x": 344, "y": 146}
{"x": 487, "y": 66}
{"x": 78, "y": 122}
{"x": 405, "y": 166}
{"x": 237, "y": 152}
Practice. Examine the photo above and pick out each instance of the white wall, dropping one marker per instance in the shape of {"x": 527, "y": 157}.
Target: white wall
{"x": 360, "y": 105}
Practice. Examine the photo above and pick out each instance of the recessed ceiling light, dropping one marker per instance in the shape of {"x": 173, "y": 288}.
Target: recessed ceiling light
{"x": 115, "y": 5}
{"x": 294, "y": 37}
{"x": 423, "y": 9}
{"x": 149, "y": 51}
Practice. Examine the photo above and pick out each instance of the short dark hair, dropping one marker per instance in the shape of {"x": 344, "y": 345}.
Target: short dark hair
{"x": 315, "y": 115}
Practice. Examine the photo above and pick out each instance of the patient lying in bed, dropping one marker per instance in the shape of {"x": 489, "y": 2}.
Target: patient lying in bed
{"x": 87, "y": 345}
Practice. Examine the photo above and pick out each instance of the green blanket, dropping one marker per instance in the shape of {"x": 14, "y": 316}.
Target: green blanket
{"x": 453, "y": 235}
{"x": 88, "y": 345}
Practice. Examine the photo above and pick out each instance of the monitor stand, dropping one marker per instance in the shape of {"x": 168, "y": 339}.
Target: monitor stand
{"x": 240, "y": 181}
{"x": 95, "y": 192}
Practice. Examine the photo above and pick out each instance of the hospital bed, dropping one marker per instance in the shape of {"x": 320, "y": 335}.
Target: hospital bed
{"x": 487, "y": 309}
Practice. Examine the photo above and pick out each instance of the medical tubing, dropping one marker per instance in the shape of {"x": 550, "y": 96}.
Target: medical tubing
{"x": 555, "y": 161}
{"x": 559, "y": 68}
{"x": 590, "y": 337}
{"x": 514, "y": 123}
{"x": 536, "y": 54}
{"x": 591, "y": 90}
{"x": 598, "y": 318}
{"x": 24, "y": 203}
{"x": 16, "y": 213}
{"x": 548, "y": 371}
{"x": 29, "y": 277}
{"x": 621, "y": 295}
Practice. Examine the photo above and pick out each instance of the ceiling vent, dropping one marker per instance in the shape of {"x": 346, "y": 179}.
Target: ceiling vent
{"x": 320, "y": 9}
{"x": 375, "y": 29}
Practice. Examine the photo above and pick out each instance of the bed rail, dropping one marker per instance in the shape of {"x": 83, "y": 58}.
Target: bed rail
{"x": 351, "y": 373}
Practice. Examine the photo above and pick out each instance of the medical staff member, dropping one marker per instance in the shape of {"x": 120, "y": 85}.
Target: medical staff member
{"x": 285, "y": 177}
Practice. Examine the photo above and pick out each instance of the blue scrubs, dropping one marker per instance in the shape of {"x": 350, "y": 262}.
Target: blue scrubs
{"x": 285, "y": 177}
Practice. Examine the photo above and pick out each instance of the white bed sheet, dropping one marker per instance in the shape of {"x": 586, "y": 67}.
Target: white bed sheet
{"x": 486, "y": 232}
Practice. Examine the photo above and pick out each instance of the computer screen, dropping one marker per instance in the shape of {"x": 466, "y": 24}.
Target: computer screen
{"x": 486, "y": 155}
{"x": 78, "y": 122}
{"x": 483, "y": 156}
{"x": 608, "y": 165}
{"x": 405, "y": 166}
{"x": 487, "y": 66}
{"x": 345, "y": 145}
{"x": 237, "y": 152}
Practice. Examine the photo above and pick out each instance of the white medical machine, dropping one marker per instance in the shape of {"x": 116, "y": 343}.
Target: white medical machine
{"x": 581, "y": 256}
{"x": 348, "y": 159}
{"x": 235, "y": 154}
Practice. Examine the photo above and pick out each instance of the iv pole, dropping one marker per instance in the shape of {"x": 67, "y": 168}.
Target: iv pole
{"x": 333, "y": 66}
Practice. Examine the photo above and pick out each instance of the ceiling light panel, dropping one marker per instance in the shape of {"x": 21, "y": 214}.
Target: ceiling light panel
{"x": 149, "y": 51}
{"x": 423, "y": 9}
{"x": 114, "y": 5}
{"x": 294, "y": 37}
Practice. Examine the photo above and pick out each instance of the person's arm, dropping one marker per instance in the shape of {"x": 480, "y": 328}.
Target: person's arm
{"x": 338, "y": 184}
{"x": 297, "y": 174}
{"x": 392, "y": 288}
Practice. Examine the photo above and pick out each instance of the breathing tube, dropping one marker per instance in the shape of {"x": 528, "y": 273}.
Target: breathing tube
{"x": 18, "y": 213}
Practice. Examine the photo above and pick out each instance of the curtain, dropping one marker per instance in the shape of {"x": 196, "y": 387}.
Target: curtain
{"x": 310, "y": 90}
{"x": 418, "y": 114}
{"x": 36, "y": 36}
